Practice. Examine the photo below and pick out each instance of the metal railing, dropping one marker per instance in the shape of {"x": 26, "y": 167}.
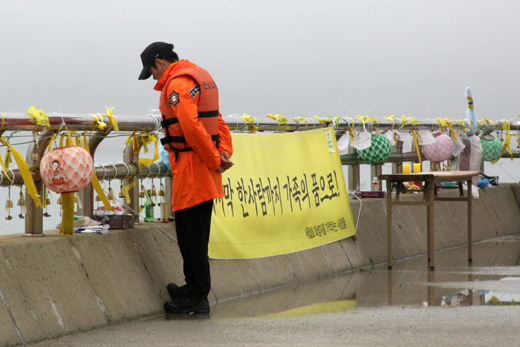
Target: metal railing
{"x": 129, "y": 169}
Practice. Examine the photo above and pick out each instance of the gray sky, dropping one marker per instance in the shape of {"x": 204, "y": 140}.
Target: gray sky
{"x": 295, "y": 58}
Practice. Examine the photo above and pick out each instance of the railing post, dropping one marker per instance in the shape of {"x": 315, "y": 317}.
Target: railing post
{"x": 397, "y": 167}
{"x": 34, "y": 214}
{"x": 86, "y": 195}
{"x": 132, "y": 159}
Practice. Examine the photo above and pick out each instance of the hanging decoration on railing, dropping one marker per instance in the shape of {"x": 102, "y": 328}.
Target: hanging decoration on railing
{"x": 66, "y": 170}
{"x": 21, "y": 203}
{"x": 379, "y": 148}
{"x": 46, "y": 201}
{"x": 439, "y": 151}
{"x": 9, "y": 205}
{"x": 22, "y": 167}
{"x": 506, "y": 146}
{"x": 491, "y": 148}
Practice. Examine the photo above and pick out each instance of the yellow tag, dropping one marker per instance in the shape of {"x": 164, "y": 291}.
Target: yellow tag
{"x": 38, "y": 117}
{"x": 125, "y": 191}
{"x": 391, "y": 118}
{"x": 404, "y": 121}
{"x": 373, "y": 120}
{"x": 248, "y": 119}
{"x": 279, "y": 118}
{"x": 361, "y": 118}
{"x": 7, "y": 158}
{"x": 415, "y": 121}
{"x": 323, "y": 120}
{"x": 329, "y": 141}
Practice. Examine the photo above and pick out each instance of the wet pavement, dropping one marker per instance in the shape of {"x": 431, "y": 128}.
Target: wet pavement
{"x": 458, "y": 304}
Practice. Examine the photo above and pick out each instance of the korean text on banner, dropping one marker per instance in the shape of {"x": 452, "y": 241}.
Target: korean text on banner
{"x": 285, "y": 193}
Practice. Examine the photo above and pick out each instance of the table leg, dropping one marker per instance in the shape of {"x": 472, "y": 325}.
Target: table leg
{"x": 389, "y": 223}
{"x": 430, "y": 228}
{"x": 470, "y": 231}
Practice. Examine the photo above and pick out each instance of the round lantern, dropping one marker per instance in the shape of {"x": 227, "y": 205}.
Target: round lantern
{"x": 491, "y": 147}
{"x": 439, "y": 151}
{"x": 378, "y": 152}
{"x": 67, "y": 169}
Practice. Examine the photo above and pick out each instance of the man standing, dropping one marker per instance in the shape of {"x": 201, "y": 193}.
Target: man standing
{"x": 199, "y": 145}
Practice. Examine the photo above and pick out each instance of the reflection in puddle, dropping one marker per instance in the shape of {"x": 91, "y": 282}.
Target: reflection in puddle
{"x": 492, "y": 279}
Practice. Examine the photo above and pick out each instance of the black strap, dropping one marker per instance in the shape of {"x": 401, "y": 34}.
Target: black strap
{"x": 170, "y": 121}
{"x": 208, "y": 114}
{"x": 181, "y": 139}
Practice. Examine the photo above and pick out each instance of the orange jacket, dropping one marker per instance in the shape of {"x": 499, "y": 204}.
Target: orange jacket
{"x": 183, "y": 96}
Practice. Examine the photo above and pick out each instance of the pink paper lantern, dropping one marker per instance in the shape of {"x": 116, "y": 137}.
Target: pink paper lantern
{"x": 439, "y": 151}
{"x": 67, "y": 169}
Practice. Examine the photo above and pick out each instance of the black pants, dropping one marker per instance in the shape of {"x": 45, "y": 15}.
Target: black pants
{"x": 193, "y": 226}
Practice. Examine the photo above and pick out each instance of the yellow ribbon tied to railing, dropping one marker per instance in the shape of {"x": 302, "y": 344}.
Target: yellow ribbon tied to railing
{"x": 38, "y": 117}
{"x": 250, "y": 119}
{"x": 335, "y": 120}
{"x": 113, "y": 122}
{"x": 404, "y": 121}
{"x": 98, "y": 121}
{"x": 371, "y": 119}
{"x": 143, "y": 140}
{"x": 392, "y": 119}
{"x": 323, "y": 121}
{"x": 23, "y": 168}
{"x": 463, "y": 125}
{"x": 442, "y": 123}
{"x": 95, "y": 181}
{"x": 280, "y": 119}
{"x": 449, "y": 123}
{"x": 146, "y": 139}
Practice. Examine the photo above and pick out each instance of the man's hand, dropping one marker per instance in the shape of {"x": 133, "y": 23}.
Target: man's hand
{"x": 225, "y": 162}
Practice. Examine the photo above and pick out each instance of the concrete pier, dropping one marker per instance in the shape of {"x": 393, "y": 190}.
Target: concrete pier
{"x": 58, "y": 285}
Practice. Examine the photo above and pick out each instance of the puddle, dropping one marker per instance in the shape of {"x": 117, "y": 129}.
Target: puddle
{"x": 492, "y": 279}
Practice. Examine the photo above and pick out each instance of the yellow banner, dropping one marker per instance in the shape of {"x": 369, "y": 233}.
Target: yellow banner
{"x": 285, "y": 193}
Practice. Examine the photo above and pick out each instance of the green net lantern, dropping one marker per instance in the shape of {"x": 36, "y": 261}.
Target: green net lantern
{"x": 378, "y": 152}
{"x": 491, "y": 147}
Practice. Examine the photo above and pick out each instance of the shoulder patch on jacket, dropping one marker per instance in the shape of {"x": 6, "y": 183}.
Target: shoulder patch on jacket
{"x": 173, "y": 99}
{"x": 195, "y": 90}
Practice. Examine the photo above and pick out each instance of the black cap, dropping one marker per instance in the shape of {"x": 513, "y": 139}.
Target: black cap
{"x": 153, "y": 51}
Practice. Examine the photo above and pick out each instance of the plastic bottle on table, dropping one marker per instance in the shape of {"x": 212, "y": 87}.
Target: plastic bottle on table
{"x": 375, "y": 185}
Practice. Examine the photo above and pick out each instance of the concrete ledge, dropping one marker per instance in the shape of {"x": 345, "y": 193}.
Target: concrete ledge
{"x": 58, "y": 285}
